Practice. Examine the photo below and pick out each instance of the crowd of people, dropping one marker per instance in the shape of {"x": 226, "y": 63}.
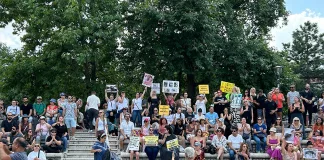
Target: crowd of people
{"x": 27, "y": 128}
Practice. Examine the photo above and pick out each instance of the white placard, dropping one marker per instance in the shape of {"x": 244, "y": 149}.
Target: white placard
{"x": 236, "y": 101}
{"x": 147, "y": 80}
{"x": 156, "y": 87}
{"x": 170, "y": 86}
{"x": 133, "y": 143}
{"x": 310, "y": 153}
{"x": 111, "y": 88}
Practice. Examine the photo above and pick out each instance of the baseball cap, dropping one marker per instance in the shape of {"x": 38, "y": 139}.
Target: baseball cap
{"x": 53, "y": 100}
{"x": 39, "y": 97}
{"x": 62, "y": 94}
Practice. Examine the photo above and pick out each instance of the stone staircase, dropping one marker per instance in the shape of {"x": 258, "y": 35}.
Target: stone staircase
{"x": 79, "y": 149}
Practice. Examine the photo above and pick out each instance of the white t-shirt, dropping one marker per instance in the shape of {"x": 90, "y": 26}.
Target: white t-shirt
{"x": 127, "y": 127}
{"x": 137, "y": 104}
{"x": 181, "y": 115}
{"x": 292, "y": 95}
{"x": 202, "y": 105}
{"x": 186, "y": 102}
{"x": 236, "y": 141}
{"x": 34, "y": 154}
{"x": 122, "y": 105}
{"x": 199, "y": 117}
{"x": 169, "y": 118}
{"x": 111, "y": 105}
{"x": 93, "y": 102}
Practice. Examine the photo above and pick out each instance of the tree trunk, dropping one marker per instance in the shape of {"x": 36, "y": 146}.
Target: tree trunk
{"x": 191, "y": 87}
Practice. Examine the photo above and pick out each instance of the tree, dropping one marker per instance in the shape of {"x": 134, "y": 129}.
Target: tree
{"x": 306, "y": 52}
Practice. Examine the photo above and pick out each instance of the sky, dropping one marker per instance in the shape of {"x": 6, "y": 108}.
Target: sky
{"x": 300, "y": 12}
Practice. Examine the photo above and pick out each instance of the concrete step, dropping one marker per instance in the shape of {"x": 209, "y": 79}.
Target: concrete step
{"x": 86, "y": 150}
{"x": 80, "y": 155}
{"x": 78, "y": 158}
{"x": 87, "y": 141}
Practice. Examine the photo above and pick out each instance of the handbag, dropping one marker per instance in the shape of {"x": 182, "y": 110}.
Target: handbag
{"x": 245, "y": 136}
{"x": 260, "y": 135}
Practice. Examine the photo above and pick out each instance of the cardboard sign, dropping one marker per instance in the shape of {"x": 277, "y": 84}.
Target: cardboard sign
{"x": 226, "y": 87}
{"x": 143, "y": 118}
{"x": 147, "y": 80}
{"x": 172, "y": 144}
{"x": 203, "y": 89}
{"x": 151, "y": 140}
{"x": 236, "y": 101}
{"x": 170, "y": 86}
{"x": 133, "y": 143}
{"x": 111, "y": 88}
{"x": 310, "y": 153}
{"x": 156, "y": 87}
{"x": 164, "y": 110}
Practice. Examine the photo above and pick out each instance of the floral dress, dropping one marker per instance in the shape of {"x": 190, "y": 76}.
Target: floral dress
{"x": 220, "y": 142}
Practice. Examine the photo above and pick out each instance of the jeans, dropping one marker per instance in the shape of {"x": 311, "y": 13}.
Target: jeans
{"x": 232, "y": 154}
{"x": 65, "y": 143}
{"x": 260, "y": 141}
{"x": 309, "y": 109}
{"x": 151, "y": 152}
{"x": 91, "y": 114}
{"x": 135, "y": 114}
{"x": 248, "y": 141}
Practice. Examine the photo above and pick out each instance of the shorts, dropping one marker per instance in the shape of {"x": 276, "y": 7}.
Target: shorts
{"x": 70, "y": 122}
{"x": 122, "y": 137}
{"x": 279, "y": 110}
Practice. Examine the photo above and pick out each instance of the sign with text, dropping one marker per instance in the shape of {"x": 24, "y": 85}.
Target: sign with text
{"x": 203, "y": 89}
{"x": 164, "y": 110}
{"x": 147, "y": 80}
{"x": 156, "y": 87}
{"x": 151, "y": 140}
{"x": 226, "y": 87}
{"x": 133, "y": 143}
{"x": 236, "y": 101}
{"x": 310, "y": 153}
{"x": 170, "y": 86}
{"x": 172, "y": 144}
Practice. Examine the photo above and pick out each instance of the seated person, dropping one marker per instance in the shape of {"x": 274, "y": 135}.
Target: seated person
{"x": 30, "y": 139}
{"x": 318, "y": 140}
{"x": 126, "y": 130}
{"x": 199, "y": 116}
{"x": 211, "y": 117}
{"x": 51, "y": 112}
{"x": 199, "y": 153}
{"x": 53, "y": 143}
{"x": 310, "y": 145}
{"x": 219, "y": 124}
{"x": 13, "y": 135}
{"x": 152, "y": 150}
{"x": 7, "y": 125}
{"x": 37, "y": 153}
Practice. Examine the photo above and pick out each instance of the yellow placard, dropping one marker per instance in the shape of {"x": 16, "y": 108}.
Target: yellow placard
{"x": 203, "y": 89}
{"x": 226, "y": 87}
{"x": 172, "y": 144}
{"x": 151, "y": 140}
{"x": 164, "y": 110}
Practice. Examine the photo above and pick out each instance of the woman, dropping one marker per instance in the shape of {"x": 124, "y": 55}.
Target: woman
{"x": 170, "y": 100}
{"x": 247, "y": 112}
{"x": 153, "y": 102}
{"x": 203, "y": 127}
{"x": 319, "y": 114}
{"x": 199, "y": 153}
{"x": 247, "y": 96}
{"x": 100, "y": 148}
{"x": 220, "y": 143}
{"x": 279, "y": 128}
{"x": 145, "y": 113}
{"x": 189, "y": 115}
{"x": 287, "y": 150}
{"x": 79, "y": 104}
{"x": 219, "y": 124}
{"x": 198, "y": 138}
{"x": 168, "y": 136}
{"x": 297, "y": 126}
{"x": 122, "y": 115}
{"x": 244, "y": 129}
{"x": 227, "y": 121}
{"x": 101, "y": 123}
{"x": 24, "y": 125}
{"x": 30, "y": 139}
{"x": 243, "y": 153}
{"x": 42, "y": 130}
{"x": 179, "y": 130}
{"x": 51, "y": 112}
{"x": 317, "y": 126}
{"x": 145, "y": 130}
{"x": 259, "y": 136}
{"x": 62, "y": 131}
{"x": 279, "y": 99}
{"x": 151, "y": 151}
{"x": 37, "y": 154}
{"x": 185, "y": 102}
{"x": 162, "y": 126}
{"x": 190, "y": 130}
{"x": 321, "y": 101}
{"x": 201, "y": 104}
{"x": 318, "y": 140}
{"x": 155, "y": 117}
{"x": 297, "y": 109}
{"x": 273, "y": 143}
{"x": 113, "y": 130}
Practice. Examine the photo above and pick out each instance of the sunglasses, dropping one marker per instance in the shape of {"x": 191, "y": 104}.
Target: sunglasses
{"x": 234, "y": 131}
{"x": 53, "y": 132}
{"x": 100, "y": 112}
{"x": 36, "y": 145}
{"x": 296, "y": 120}
{"x": 278, "y": 119}
{"x": 155, "y": 110}
{"x": 151, "y": 129}
{"x": 219, "y": 131}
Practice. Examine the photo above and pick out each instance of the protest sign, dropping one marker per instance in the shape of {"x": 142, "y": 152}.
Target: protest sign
{"x": 164, "y": 110}
{"x": 236, "y": 101}
{"x": 156, "y": 87}
{"x": 226, "y": 87}
{"x": 147, "y": 80}
{"x": 133, "y": 143}
{"x": 151, "y": 140}
{"x": 143, "y": 118}
{"x": 172, "y": 144}
{"x": 111, "y": 88}
{"x": 203, "y": 89}
{"x": 170, "y": 86}
{"x": 310, "y": 153}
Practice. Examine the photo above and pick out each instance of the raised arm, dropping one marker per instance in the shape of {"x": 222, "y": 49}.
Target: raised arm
{"x": 144, "y": 93}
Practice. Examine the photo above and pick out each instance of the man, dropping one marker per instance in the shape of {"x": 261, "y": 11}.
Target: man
{"x": 70, "y": 115}
{"x": 53, "y": 143}
{"x": 27, "y": 109}
{"x": 219, "y": 102}
{"x": 270, "y": 108}
{"x": 211, "y": 117}
{"x": 92, "y": 109}
{"x": 259, "y": 102}
{"x": 290, "y": 99}
{"x": 234, "y": 142}
{"x": 13, "y": 135}
{"x": 137, "y": 108}
{"x": 6, "y": 125}
{"x": 199, "y": 115}
{"x": 18, "y": 148}
{"x": 126, "y": 130}
{"x": 14, "y": 110}
{"x": 308, "y": 98}
{"x": 189, "y": 153}
{"x": 122, "y": 103}
{"x": 39, "y": 107}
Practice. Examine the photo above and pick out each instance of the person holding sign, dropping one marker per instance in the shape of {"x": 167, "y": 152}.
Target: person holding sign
{"x": 126, "y": 130}
{"x": 151, "y": 150}
{"x": 137, "y": 108}
{"x": 170, "y": 100}
{"x": 165, "y": 152}
{"x": 201, "y": 103}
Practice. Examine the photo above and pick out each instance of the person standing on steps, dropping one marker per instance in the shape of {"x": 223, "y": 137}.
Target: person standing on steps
{"x": 92, "y": 109}
{"x": 137, "y": 108}
{"x": 308, "y": 98}
{"x": 70, "y": 116}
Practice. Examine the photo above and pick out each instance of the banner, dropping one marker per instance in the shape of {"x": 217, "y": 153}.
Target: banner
{"x": 172, "y": 144}
{"x": 164, "y": 110}
{"x": 156, "y": 87}
{"x": 203, "y": 89}
{"x": 226, "y": 87}
{"x": 111, "y": 88}
{"x": 310, "y": 153}
{"x": 151, "y": 140}
{"x": 147, "y": 80}
{"x": 236, "y": 101}
{"x": 133, "y": 143}
{"x": 170, "y": 86}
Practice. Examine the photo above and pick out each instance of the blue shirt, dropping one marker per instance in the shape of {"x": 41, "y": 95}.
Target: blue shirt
{"x": 100, "y": 155}
{"x": 211, "y": 117}
{"x": 257, "y": 127}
